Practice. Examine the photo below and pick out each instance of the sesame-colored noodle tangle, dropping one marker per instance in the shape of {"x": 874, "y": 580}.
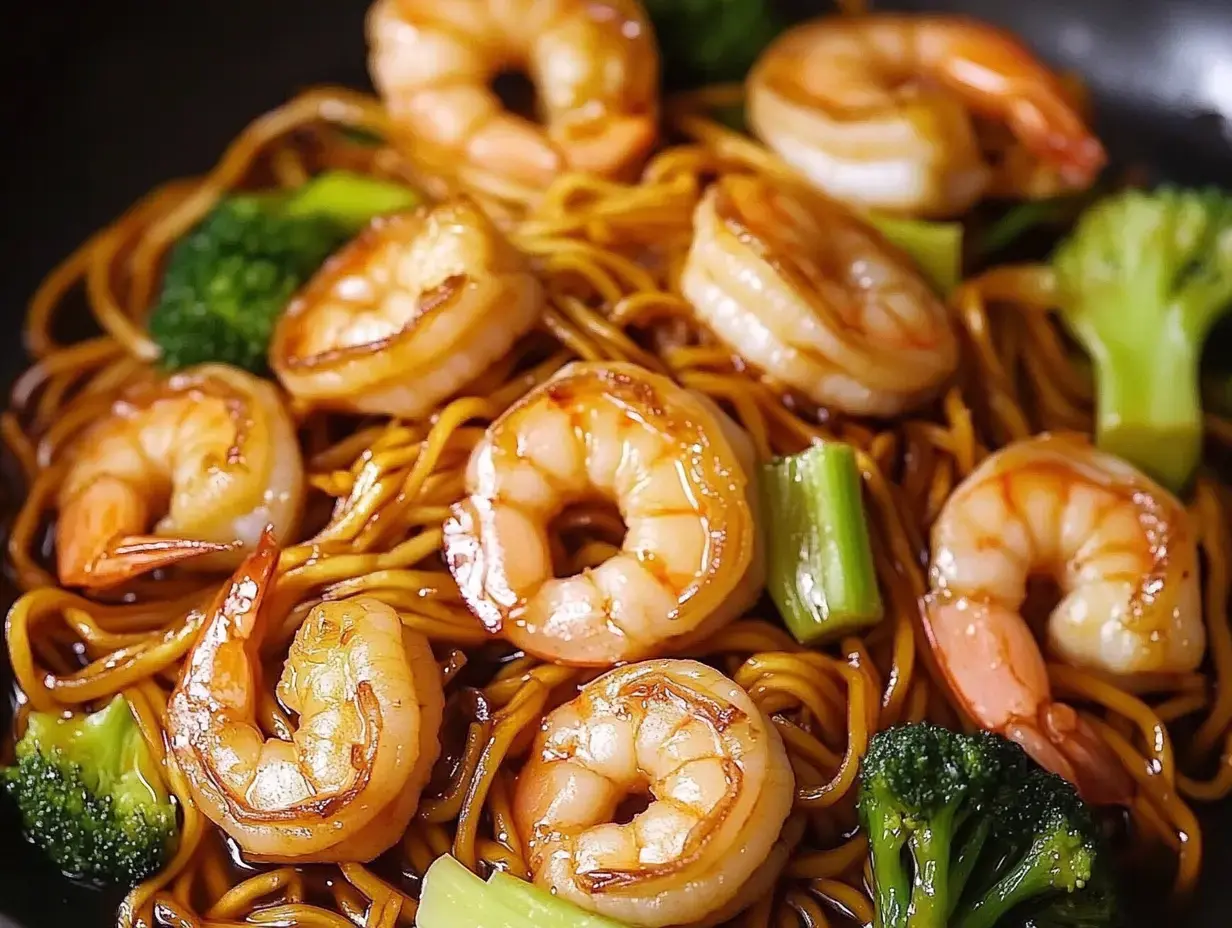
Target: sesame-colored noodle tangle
{"x": 610, "y": 256}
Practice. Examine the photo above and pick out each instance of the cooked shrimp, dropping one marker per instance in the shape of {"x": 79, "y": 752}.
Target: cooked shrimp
{"x": 678, "y": 470}
{"x": 209, "y": 456}
{"x": 876, "y": 110}
{"x": 719, "y": 782}
{"x": 406, "y": 314}
{"x": 810, "y": 294}
{"x": 1123, "y": 555}
{"x": 594, "y": 64}
{"x": 368, "y": 695}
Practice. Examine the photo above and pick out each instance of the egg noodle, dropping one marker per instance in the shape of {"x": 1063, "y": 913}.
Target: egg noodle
{"x": 610, "y": 255}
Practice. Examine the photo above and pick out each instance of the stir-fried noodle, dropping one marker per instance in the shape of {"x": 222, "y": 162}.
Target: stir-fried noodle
{"x": 611, "y": 256}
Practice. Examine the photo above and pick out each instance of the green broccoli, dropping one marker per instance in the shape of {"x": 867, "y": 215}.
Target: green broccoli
{"x": 966, "y": 832}
{"x": 1142, "y": 279}
{"x": 229, "y": 279}
{"x": 705, "y": 41}
{"x": 89, "y": 794}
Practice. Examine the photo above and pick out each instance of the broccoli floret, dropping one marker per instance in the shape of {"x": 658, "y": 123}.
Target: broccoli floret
{"x": 712, "y": 40}
{"x": 1142, "y": 279}
{"x": 229, "y": 279}
{"x": 919, "y": 786}
{"x": 89, "y": 794}
{"x": 966, "y": 832}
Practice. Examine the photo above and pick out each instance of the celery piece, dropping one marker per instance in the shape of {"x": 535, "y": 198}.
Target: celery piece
{"x": 350, "y": 199}
{"x": 542, "y": 908}
{"x": 821, "y": 573}
{"x": 453, "y": 897}
{"x": 936, "y": 247}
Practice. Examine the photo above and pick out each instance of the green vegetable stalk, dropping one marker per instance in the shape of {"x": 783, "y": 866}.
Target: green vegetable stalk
{"x": 90, "y": 795}
{"x": 1030, "y": 216}
{"x": 229, "y": 279}
{"x": 453, "y": 897}
{"x": 1142, "y": 280}
{"x": 936, "y": 247}
{"x": 821, "y": 571}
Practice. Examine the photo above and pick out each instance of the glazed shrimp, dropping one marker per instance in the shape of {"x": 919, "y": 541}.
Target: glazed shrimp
{"x": 679, "y": 472}
{"x": 1123, "y": 555}
{"x": 876, "y": 110}
{"x": 406, "y": 314}
{"x": 808, "y": 293}
{"x": 594, "y": 64}
{"x": 207, "y": 457}
{"x": 719, "y": 783}
{"x": 369, "y": 700}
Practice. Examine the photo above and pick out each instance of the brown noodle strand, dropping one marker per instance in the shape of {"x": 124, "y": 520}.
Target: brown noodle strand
{"x": 241, "y": 898}
{"x": 1189, "y": 857}
{"x": 1153, "y": 733}
{"x": 1217, "y": 547}
{"x": 844, "y": 898}
{"x": 522, "y": 711}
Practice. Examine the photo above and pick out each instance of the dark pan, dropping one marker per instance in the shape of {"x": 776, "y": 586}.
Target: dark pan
{"x": 101, "y": 101}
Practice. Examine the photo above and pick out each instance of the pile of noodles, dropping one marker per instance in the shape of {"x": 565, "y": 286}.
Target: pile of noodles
{"x": 610, "y": 255}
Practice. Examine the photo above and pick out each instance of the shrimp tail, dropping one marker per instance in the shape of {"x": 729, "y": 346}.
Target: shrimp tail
{"x": 132, "y": 555}
{"x": 239, "y": 601}
{"x": 1052, "y": 128}
{"x": 1060, "y": 740}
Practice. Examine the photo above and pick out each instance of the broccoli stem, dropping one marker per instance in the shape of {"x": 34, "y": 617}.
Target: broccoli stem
{"x": 1141, "y": 281}
{"x": 966, "y": 860}
{"x": 821, "y": 575}
{"x": 931, "y": 849}
{"x": 1148, "y": 406}
{"x": 1031, "y": 877}
{"x": 890, "y": 877}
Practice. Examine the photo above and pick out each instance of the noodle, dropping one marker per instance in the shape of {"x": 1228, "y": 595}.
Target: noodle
{"x": 610, "y": 255}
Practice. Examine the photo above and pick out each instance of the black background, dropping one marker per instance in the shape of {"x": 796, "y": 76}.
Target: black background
{"x": 99, "y": 101}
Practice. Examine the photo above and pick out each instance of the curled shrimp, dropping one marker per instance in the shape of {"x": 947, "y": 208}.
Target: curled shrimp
{"x": 807, "y": 292}
{"x": 207, "y": 457}
{"x": 678, "y": 470}
{"x": 406, "y": 314}
{"x": 876, "y": 110}
{"x": 594, "y": 64}
{"x": 368, "y": 695}
{"x": 1123, "y": 556}
{"x": 719, "y": 783}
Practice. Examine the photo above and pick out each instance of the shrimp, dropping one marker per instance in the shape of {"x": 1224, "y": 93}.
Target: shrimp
{"x": 594, "y": 64}
{"x": 1123, "y": 555}
{"x": 678, "y": 470}
{"x": 406, "y": 314}
{"x": 808, "y": 293}
{"x": 209, "y": 456}
{"x": 368, "y": 695}
{"x": 718, "y": 778}
{"x": 876, "y": 110}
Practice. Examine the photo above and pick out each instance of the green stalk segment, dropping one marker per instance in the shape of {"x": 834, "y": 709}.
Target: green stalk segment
{"x": 821, "y": 573}
{"x": 936, "y": 247}
{"x": 453, "y": 897}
